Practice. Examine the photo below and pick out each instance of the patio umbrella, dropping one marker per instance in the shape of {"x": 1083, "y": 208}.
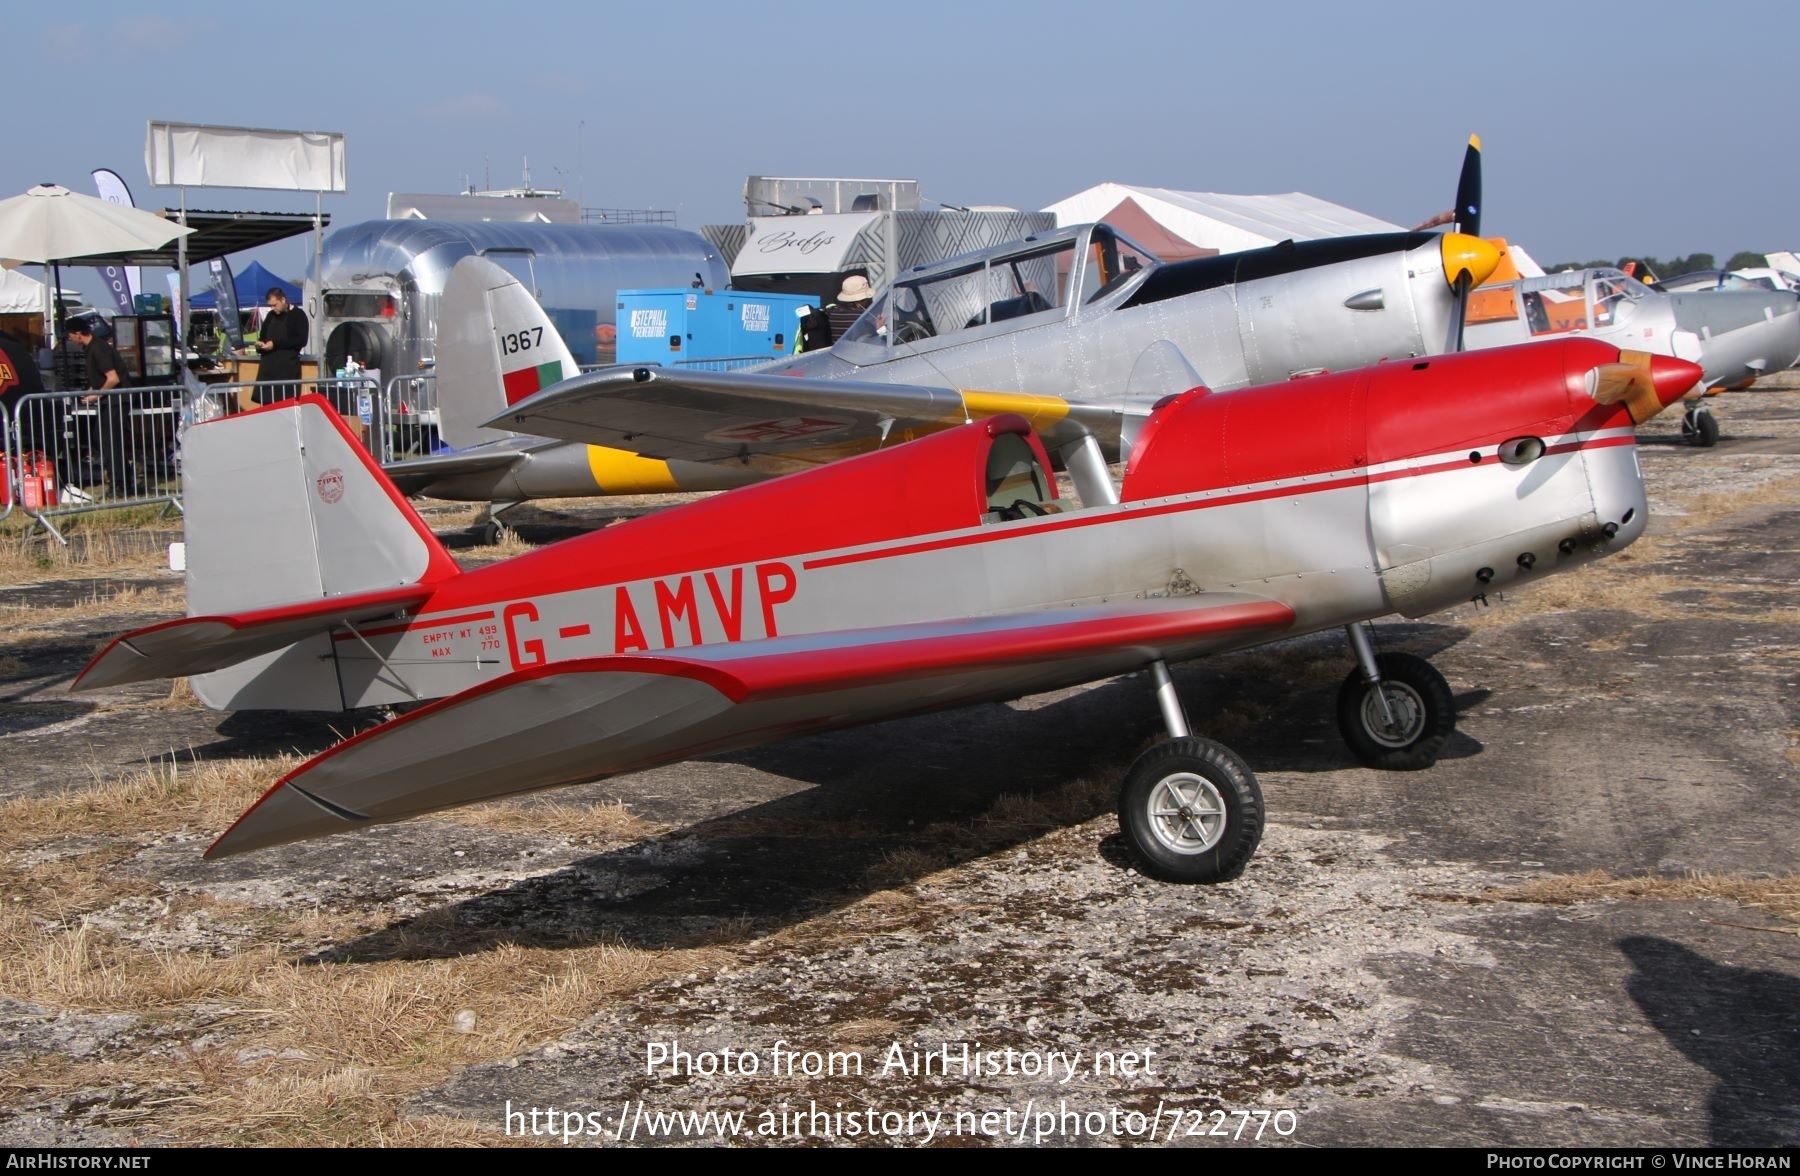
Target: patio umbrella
{"x": 49, "y": 224}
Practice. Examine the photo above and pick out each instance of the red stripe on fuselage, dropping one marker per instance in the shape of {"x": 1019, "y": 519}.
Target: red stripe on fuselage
{"x": 1347, "y": 480}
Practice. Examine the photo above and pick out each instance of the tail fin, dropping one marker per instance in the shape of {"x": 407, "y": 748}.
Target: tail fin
{"x": 496, "y": 346}
{"x": 284, "y": 506}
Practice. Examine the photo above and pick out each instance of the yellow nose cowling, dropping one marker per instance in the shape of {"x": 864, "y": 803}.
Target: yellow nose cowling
{"x": 1474, "y": 255}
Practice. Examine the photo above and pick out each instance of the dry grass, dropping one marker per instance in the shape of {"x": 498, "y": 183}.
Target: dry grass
{"x": 101, "y": 601}
{"x": 1779, "y": 896}
{"x": 1631, "y": 580}
{"x": 181, "y": 697}
{"x": 444, "y": 515}
{"x": 160, "y": 797}
{"x": 1012, "y": 818}
{"x": 96, "y": 549}
{"x": 317, "y": 1053}
{"x": 306, "y": 1052}
{"x": 603, "y": 822}
{"x": 508, "y": 546}
{"x": 1712, "y": 506}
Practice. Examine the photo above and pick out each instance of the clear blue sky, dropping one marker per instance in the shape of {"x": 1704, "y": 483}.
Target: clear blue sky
{"x": 1648, "y": 126}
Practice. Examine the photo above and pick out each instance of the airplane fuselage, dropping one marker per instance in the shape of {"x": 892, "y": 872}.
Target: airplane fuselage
{"x": 1229, "y": 321}
{"x": 1341, "y": 497}
{"x": 1734, "y": 335}
{"x": 1110, "y": 334}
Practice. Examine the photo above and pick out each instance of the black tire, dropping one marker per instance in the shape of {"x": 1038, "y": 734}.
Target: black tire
{"x": 1422, "y": 705}
{"x": 1706, "y": 430}
{"x": 1191, "y": 811}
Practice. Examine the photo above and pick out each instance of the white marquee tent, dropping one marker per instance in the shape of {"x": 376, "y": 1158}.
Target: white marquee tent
{"x": 20, "y": 294}
{"x": 1214, "y": 222}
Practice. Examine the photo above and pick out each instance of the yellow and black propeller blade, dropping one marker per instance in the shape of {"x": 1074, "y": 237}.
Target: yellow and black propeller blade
{"x": 1460, "y": 261}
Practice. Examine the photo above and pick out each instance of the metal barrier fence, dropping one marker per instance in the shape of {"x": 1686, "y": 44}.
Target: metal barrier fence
{"x": 80, "y": 451}
{"x": 9, "y": 490}
{"x": 70, "y": 452}
{"x": 409, "y": 418}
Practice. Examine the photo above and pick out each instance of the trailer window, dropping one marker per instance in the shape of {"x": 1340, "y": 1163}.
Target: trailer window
{"x": 349, "y": 304}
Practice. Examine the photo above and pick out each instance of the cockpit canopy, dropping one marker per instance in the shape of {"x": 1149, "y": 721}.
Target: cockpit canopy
{"x": 1578, "y": 300}
{"x": 1040, "y": 279}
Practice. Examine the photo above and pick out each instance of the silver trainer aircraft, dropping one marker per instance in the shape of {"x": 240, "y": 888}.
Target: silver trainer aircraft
{"x": 1095, "y": 326}
{"x": 1734, "y": 335}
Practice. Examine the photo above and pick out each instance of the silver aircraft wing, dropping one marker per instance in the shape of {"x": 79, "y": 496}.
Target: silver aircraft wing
{"x": 569, "y": 722}
{"x": 737, "y": 416}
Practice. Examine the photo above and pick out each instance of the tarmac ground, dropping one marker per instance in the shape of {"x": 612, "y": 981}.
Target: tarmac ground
{"x": 1581, "y": 927}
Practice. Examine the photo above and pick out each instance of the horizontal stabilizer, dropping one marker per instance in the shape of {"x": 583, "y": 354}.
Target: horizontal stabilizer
{"x": 575, "y": 721}
{"x": 413, "y": 475}
{"x": 199, "y": 645}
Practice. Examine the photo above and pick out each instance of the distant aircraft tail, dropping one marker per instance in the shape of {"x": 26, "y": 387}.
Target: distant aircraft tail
{"x": 496, "y": 346}
{"x": 291, "y": 531}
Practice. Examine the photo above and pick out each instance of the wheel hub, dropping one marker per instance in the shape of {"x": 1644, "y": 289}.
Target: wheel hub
{"x": 1187, "y": 813}
{"x": 1408, "y": 710}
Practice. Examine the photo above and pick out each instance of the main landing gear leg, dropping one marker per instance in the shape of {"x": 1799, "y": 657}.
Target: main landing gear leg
{"x": 490, "y": 529}
{"x": 1394, "y": 710}
{"x": 1700, "y": 426}
{"x": 1190, "y": 808}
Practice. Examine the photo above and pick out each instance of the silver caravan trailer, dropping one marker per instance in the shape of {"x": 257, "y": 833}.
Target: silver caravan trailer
{"x": 381, "y": 281}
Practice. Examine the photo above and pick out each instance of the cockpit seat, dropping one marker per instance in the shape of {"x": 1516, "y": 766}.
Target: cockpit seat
{"x": 1029, "y": 302}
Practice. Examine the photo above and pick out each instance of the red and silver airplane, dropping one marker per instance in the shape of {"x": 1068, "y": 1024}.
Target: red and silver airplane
{"x": 922, "y": 576}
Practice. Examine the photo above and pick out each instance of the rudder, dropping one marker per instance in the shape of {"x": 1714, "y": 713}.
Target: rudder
{"x": 496, "y": 346}
{"x": 284, "y": 505}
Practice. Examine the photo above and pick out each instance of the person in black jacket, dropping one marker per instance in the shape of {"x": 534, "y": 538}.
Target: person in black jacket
{"x": 112, "y": 443}
{"x": 283, "y": 337}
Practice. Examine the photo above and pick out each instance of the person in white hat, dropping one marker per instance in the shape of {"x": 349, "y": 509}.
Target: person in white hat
{"x": 853, "y": 298}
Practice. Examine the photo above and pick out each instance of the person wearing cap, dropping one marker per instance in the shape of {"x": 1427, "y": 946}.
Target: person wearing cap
{"x": 853, "y": 298}
{"x": 100, "y": 357}
{"x": 105, "y": 371}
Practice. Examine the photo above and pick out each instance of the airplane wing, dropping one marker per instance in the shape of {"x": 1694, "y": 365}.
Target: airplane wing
{"x": 575, "y": 721}
{"x": 413, "y": 475}
{"x": 734, "y": 416}
{"x": 198, "y": 645}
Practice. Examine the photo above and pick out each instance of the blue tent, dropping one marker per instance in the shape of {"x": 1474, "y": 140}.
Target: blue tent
{"x": 253, "y": 286}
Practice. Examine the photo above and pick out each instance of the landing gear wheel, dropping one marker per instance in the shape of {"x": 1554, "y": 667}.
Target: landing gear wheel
{"x": 1423, "y": 709}
{"x": 1191, "y": 811}
{"x": 1701, "y": 428}
{"x": 490, "y": 533}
